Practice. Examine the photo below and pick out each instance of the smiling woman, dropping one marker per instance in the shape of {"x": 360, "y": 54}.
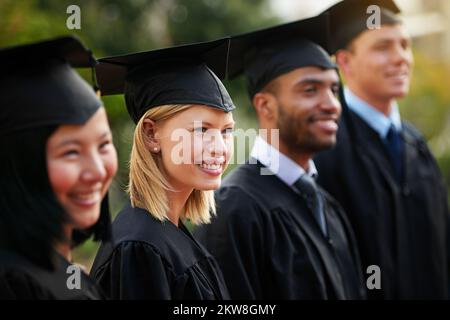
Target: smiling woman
{"x": 81, "y": 161}
{"x": 182, "y": 144}
{"x": 58, "y": 166}
{"x": 204, "y": 152}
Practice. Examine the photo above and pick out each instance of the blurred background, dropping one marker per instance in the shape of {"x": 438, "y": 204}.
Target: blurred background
{"x": 118, "y": 27}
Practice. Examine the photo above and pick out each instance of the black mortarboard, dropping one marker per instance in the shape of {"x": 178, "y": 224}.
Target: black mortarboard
{"x": 348, "y": 19}
{"x": 266, "y": 54}
{"x": 39, "y": 87}
{"x": 187, "y": 74}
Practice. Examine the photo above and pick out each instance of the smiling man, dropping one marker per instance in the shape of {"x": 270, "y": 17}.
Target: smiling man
{"x": 381, "y": 169}
{"x": 278, "y": 235}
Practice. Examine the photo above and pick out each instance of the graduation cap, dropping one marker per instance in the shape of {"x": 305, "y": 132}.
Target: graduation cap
{"x": 186, "y": 74}
{"x": 348, "y": 19}
{"x": 265, "y": 54}
{"x": 39, "y": 87}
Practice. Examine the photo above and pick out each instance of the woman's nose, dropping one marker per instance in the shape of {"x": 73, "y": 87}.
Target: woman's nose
{"x": 94, "y": 169}
{"x": 215, "y": 143}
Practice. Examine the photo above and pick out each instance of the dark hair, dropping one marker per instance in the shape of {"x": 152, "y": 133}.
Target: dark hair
{"x": 31, "y": 217}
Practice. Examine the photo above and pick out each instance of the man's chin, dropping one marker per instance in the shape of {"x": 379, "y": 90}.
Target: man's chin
{"x": 398, "y": 93}
{"x": 324, "y": 146}
{"x": 316, "y": 146}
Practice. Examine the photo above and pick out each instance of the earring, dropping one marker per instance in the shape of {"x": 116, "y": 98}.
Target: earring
{"x": 155, "y": 149}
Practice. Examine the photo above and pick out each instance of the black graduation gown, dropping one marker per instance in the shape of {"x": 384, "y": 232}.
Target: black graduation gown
{"x": 270, "y": 247}
{"x": 24, "y": 280}
{"x": 401, "y": 227}
{"x": 155, "y": 260}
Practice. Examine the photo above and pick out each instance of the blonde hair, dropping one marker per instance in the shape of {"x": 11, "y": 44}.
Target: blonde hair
{"x": 148, "y": 185}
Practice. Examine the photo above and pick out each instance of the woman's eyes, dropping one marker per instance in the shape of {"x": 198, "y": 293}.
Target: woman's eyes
{"x": 228, "y": 131}
{"x": 70, "y": 153}
{"x": 203, "y": 130}
{"x": 77, "y": 151}
{"x": 104, "y": 144}
{"x": 200, "y": 130}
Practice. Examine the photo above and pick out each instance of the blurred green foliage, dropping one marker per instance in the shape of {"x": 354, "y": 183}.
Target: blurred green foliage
{"x": 428, "y": 106}
{"x": 114, "y": 27}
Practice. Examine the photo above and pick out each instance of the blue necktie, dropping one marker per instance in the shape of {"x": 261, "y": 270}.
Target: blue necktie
{"x": 394, "y": 146}
{"x": 314, "y": 201}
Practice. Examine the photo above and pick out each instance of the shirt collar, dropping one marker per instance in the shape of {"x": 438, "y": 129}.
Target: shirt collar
{"x": 374, "y": 118}
{"x": 278, "y": 163}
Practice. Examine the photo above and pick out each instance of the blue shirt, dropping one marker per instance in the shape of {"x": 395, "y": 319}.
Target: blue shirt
{"x": 374, "y": 118}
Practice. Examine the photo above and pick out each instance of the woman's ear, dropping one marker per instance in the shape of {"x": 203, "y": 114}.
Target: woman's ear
{"x": 151, "y": 135}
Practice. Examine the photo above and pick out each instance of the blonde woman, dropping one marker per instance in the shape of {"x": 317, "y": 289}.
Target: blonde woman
{"x": 182, "y": 144}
